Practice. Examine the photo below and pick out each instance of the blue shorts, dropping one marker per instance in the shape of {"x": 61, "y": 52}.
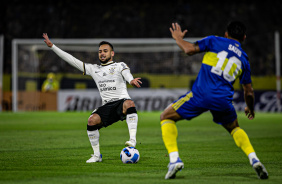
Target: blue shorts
{"x": 189, "y": 106}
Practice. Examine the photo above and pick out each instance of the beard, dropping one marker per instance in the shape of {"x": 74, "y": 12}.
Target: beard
{"x": 106, "y": 60}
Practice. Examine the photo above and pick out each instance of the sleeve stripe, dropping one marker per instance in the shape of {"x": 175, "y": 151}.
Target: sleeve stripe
{"x": 84, "y": 71}
{"x": 125, "y": 69}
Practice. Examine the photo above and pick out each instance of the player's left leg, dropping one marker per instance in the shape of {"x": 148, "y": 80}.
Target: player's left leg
{"x": 132, "y": 121}
{"x": 242, "y": 141}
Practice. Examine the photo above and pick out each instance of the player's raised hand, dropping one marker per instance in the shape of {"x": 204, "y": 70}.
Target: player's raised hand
{"x": 136, "y": 82}
{"x": 47, "y": 41}
{"x": 249, "y": 114}
{"x": 176, "y": 31}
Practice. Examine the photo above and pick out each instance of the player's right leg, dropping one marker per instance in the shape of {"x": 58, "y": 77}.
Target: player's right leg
{"x": 93, "y": 126}
{"x": 242, "y": 141}
{"x": 183, "y": 108}
{"x": 169, "y": 135}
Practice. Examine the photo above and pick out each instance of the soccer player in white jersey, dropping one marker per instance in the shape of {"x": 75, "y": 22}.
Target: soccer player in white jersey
{"x": 110, "y": 78}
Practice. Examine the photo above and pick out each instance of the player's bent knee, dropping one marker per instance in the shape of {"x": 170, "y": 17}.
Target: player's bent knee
{"x": 128, "y": 104}
{"x": 165, "y": 115}
{"x": 94, "y": 122}
{"x": 170, "y": 113}
{"x": 231, "y": 126}
{"x": 94, "y": 119}
{"x": 162, "y": 116}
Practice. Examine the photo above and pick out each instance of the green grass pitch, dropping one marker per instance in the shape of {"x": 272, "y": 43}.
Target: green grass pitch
{"x": 51, "y": 147}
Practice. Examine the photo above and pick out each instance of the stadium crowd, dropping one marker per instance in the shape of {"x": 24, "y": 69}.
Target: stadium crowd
{"x": 143, "y": 19}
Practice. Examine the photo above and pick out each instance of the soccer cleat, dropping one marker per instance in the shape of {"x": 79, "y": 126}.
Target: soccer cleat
{"x": 95, "y": 158}
{"x": 173, "y": 168}
{"x": 130, "y": 143}
{"x": 260, "y": 169}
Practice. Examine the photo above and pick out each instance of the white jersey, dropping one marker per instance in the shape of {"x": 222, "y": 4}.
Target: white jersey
{"x": 110, "y": 78}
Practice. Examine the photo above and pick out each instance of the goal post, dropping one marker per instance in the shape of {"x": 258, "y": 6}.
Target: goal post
{"x": 31, "y": 58}
{"x": 1, "y": 68}
{"x": 278, "y": 68}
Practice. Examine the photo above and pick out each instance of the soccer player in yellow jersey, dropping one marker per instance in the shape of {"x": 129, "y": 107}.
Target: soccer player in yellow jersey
{"x": 50, "y": 84}
{"x": 224, "y": 61}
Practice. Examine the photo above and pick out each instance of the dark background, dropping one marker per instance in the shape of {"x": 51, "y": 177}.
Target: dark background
{"x": 144, "y": 19}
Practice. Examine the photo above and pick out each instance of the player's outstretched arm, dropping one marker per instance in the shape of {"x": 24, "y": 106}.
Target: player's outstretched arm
{"x": 178, "y": 35}
{"x": 47, "y": 41}
{"x": 136, "y": 82}
{"x": 249, "y": 99}
{"x": 64, "y": 55}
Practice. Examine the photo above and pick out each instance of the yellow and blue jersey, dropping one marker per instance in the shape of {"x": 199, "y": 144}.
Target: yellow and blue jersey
{"x": 223, "y": 62}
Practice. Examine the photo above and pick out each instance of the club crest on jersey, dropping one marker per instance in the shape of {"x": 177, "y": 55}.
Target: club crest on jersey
{"x": 112, "y": 70}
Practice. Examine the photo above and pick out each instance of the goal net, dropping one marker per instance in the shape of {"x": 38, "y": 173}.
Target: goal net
{"x": 159, "y": 62}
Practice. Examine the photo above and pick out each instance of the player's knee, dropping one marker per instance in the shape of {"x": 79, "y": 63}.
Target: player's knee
{"x": 129, "y": 107}
{"x": 94, "y": 119}
{"x": 163, "y": 116}
{"x": 170, "y": 113}
{"x": 128, "y": 104}
{"x": 231, "y": 126}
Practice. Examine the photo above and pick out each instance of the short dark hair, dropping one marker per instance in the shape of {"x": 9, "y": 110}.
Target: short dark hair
{"x": 237, "y": 30}
{"x": 106, "y": 43}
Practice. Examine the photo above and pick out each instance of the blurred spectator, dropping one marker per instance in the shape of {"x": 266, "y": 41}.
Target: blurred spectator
{"x": 50, "y": 84}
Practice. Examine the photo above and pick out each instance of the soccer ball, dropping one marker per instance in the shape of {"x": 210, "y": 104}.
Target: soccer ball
{"x": 129, "y": 155}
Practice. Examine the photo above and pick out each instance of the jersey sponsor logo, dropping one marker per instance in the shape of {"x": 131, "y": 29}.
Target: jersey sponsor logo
{"x": 103, "y": 85}
{"x": 107, "y": 89}
{"x": 105, "y": 81}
